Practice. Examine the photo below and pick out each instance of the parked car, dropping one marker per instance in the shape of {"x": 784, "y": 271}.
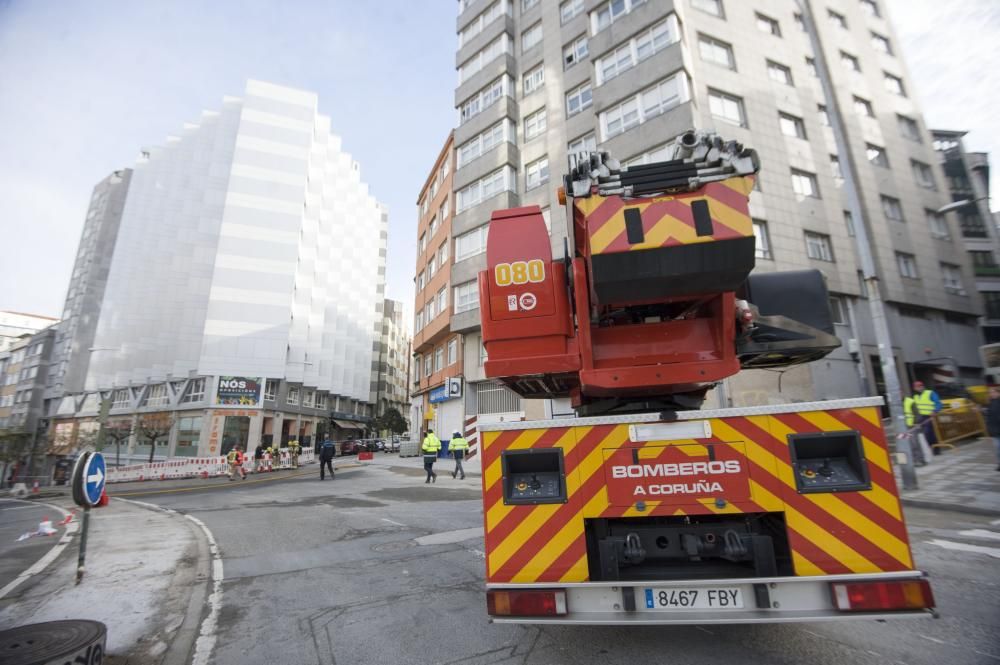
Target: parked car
{"x": 351, "y": 447}
{"x": 392, "y": 444}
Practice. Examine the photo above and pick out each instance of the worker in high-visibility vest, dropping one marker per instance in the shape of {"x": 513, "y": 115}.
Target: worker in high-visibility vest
{"x": 430, "y": 447}
{"x": 458, "y": 446}
{"x": 926, "y": 404}
{"x": 235, "y": 458}
{"x": 293, "y": 451}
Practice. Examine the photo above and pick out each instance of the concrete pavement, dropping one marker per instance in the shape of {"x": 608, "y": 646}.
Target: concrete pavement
{"x": 964, "y": 479}
{"x": 146, "y": 578}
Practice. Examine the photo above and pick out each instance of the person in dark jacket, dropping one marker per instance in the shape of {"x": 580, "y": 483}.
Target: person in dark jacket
{"x": 326, "y": 453}
{"x": 993, "y": 419}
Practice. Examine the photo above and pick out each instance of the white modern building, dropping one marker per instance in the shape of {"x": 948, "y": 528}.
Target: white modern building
{"x": 229, "y": 267}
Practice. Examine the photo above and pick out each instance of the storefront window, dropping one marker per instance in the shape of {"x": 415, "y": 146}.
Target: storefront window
{"x": 188, "y": 436}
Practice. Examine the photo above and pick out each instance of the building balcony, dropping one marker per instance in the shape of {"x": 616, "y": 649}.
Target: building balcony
{"x": 505, "y": 64}
{"x": 640, "y": 18}
{"x": 466, "y": 321}
{"x": 479, "y": 214}
{"x": 468, "y": 269}
{"x": 490, "y": 32}
{"x": 505, "y": 107}
{"x": 986, "y": 271}
{"x": 652, "y": 132}
{"x": 638, "y": 78}
{"x": 505, "y": 153}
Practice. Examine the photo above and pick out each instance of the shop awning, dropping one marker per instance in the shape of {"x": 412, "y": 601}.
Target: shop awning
{"x": 347, "y": 424}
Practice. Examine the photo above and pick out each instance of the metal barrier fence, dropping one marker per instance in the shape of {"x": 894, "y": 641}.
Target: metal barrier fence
{"x": 958, "y": 423}
{"x": 203, "y": 467}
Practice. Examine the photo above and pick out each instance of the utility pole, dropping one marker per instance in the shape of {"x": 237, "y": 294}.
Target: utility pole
{"x": 869, "y": 269}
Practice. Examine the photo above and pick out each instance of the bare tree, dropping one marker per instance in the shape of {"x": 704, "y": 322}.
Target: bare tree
{"x": 118, "y": 432}
{"x": 153, "y": 427}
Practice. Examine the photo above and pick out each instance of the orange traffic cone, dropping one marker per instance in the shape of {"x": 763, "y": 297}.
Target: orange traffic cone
{"x": 103, "y": 501}
{"x": 34, "y": 487}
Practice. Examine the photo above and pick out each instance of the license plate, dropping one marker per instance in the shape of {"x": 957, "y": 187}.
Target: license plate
{"x": 700, "y": 598}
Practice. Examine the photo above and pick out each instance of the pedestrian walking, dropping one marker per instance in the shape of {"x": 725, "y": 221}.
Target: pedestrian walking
{"x": 993, "y": 419}
{"x": 326, "y": 453}
{"x": 458, "y": 446}
{"x": 430, "y": 446}
{"x": 916, "y": 446}
{"x": 927, "y": 404}
{"x": 236, "y": 458}
{"x": 293, "y": 451}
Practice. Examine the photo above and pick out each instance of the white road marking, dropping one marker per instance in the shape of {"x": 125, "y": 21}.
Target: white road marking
{"x": 932, "y": 639}
{"x": 207, "y": 636}
{"x": 980, "y": 533}
{"x": 963, "y": 547}
{"x": 49, "y": 556}
{"x": 392, "y": 522}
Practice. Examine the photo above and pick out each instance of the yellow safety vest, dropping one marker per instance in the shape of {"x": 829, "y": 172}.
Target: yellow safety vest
{"x": 924, "y": 402}
{"x": 458, "y": 443}
{"x": 908, "y": 411}
{"x": 432, "y": 444}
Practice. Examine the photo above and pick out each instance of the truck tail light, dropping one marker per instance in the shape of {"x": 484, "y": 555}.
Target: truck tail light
{"x": 526, "y": 603}
{"x": 871, "y": 596}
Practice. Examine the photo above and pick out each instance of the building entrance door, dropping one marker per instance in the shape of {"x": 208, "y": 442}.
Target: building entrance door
{"x": 236, "y": 431}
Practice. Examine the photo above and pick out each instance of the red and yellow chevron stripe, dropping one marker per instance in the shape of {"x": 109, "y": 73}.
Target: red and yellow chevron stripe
{"x": 667, "y": 221}
{"x": 849, "y": 532}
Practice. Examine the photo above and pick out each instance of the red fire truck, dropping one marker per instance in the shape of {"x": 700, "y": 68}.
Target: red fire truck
{"x": 644, "y": 509}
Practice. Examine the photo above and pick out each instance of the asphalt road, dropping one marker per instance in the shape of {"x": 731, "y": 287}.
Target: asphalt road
{"x": 16, "y": 518}
{"x": 377, "y": 568}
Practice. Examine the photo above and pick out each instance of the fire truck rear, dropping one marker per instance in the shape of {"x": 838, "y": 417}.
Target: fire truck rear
{"x": 645, "y": 509}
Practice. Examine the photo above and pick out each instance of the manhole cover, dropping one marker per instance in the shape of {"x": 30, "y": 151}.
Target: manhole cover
{"x": 54, "y": 641}
{"x": 394, "y": 546}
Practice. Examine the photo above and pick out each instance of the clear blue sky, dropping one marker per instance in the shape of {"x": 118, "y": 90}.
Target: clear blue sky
{"x": 84, "y": 85}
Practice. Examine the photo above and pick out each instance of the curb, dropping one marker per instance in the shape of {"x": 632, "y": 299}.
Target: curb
{"x": 49, "y": 557}
{"x": 951, "y": 507}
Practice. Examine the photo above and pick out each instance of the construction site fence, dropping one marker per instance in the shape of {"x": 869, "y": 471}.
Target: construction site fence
{"x": 958, "y": 423}
{"x": 202, "y": 467}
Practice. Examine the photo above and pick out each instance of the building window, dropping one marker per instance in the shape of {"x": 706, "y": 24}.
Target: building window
{"x": 195, "y": 391}
{"x": 811, "y": 66}
{"x": 534, "y": 124}
{"x": 531, "y": 37}
{"x": 293, "y": 396}
{"x": 892, "y": 208}
{"x": 308, "y": 398}
{"x": 791, "y": 126}
{"x": 321, "y": 402}
{"x": 799, "y": 21}
{"x": 849, "y": 222}
{"x": 584, "y": 145}
{"x": 485, "y": 188}
{"x": 804, "y": 183}
{"x": 713, "y": 7}
{"x": 779, "y": 73}
{"x": 431, "y": 267}
{"x": 578, "y": 99}
{"x": 651, "y": 156}
{"x": 870, "y": 7}
{"x": 838, "y": 310}
{"x": 907, "y": 265}
{"x": 972, "y": 225}
{"x": 863, "y": 107}
{"x": 536, "y": 173}
{"x": 877, "y": 155}
{"x": 471, "y": 243}
{"x": 894, "y": 84}
{"x": 453, "y": 351}
{"x": 838, "y": 174}
{"x": 850, "y": 62}
{"x": 923, "y": 174}
{"x": 484, "y": 142}
{"x": 270, "y": 389}
{"x": 824, "y": 117}
{"x": 881, "y": 44}
{"x": 726, "y": 107}
{"x": 528, "y": 4}
{"x": 466, "y": 296}
{"x": 420, "y": 281}
{"x": 984, "y": 263}
{"x": 762, "y": 244}
{"x": 570, "y": 9}
{"x": 610, "y": 12}
{"x": 651, "y": 102}
{"x": 485, "y": 98}
{"x": 637, "y": 49}
{"x": 439, "y": 359}
{"x": 818, "y": 246}
{"x": 442, "y": 300}
{"x": 534, "y": 79}
{"x": 416, "y": 368}
{"x": 446, "y": 206}
{"x": 488, "y": 54}
{"x": 991, "y": 304}
{"x": 493, "y": 12}
{"x": 836, "y": 19}
{"x": 442, "y": 254}
{"x": 718, "y": 52}
{"x": 768, "y": 25}
{"x": 575, "y": 51}
{"x": 157, "y": 395}
{"x": 908, "y": 128}
{"x": 188, "y": 436}
{"x": 428, "y": 365}
{"x": 939, "y": 227}
{"x": 952, "y": 276}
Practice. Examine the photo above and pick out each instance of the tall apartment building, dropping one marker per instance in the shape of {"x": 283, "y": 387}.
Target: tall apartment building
{"x": 967, "y": 176}
{"x": 14, "y": 325}
{"x": 87, "y": 283}
{"x": 438, "y": 353}
{"x": 24, "y": 375}
{"x": 244, "y": 293}
{"x": 541, "y": 80}
{"x": 390, "y": 390}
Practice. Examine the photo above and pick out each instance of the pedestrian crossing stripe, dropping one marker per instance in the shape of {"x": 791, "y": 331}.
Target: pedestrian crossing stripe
{"x": 848, "y": 532}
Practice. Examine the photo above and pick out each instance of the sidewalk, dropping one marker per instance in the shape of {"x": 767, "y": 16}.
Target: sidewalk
{"x": 147, "y": 576}
{"x": 964, "y": 479}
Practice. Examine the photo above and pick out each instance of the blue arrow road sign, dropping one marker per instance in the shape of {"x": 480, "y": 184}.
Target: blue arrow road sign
{"x": 93, "y": 478}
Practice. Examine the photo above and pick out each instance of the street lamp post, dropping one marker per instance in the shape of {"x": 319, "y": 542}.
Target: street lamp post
{"x": 869, "y": 269}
